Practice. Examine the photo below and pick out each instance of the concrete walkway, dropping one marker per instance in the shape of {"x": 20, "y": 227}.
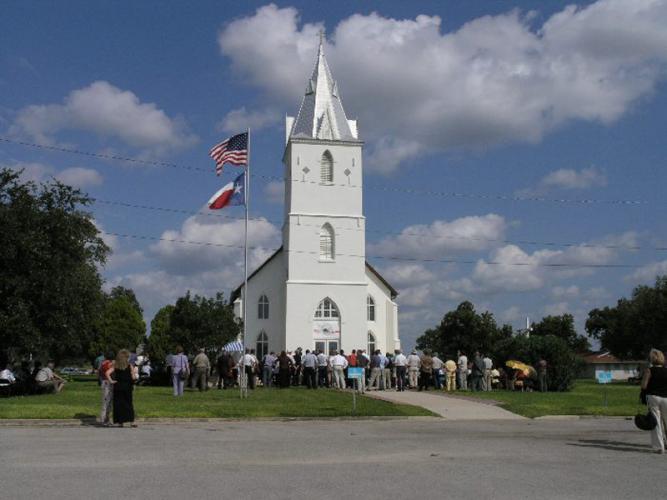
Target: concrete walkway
{"x": 451, "y": 408}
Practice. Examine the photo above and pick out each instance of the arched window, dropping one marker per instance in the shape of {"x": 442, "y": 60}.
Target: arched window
{"x": 262, "y": 345}
{"x": 326, "y": 168}
{"x": 371, "y": 343}
{"x": 370, "y": 308}
{"x": 327, "y": 309}
{"x": 327, "y": 242}
{"x": 263, "y": 307}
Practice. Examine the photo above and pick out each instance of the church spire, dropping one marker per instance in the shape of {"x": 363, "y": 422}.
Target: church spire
{"x": 321, "y": 115}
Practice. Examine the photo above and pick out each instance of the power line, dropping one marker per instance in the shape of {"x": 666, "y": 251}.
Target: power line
{"x": 384, "y": 257}
{"x": 378, "y": 231}
{"x": 417, "y": 192}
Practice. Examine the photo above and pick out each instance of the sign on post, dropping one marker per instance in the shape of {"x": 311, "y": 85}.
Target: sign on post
{"x": 356, "y": 374}
{"x": 603, "y": 377}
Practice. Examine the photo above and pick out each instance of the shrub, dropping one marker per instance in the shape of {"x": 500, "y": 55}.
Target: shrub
{"x": 563, "y": 365}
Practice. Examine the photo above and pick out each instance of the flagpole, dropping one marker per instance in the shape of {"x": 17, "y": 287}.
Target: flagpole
{"x": 246, "y": 181}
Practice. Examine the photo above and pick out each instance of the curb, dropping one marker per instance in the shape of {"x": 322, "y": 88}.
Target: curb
{"x": 92, "y": 422}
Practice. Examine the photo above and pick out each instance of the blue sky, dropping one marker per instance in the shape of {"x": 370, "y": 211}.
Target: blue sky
{"x": 492, "y": 100}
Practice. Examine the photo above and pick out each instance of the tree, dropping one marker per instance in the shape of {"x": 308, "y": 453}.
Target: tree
{"x": 159, "y": 343}
{"x": 193, "y": 322}
{"x": 50, "y": 287}
{"x": 563, "y": 328}
{"x": 121, "y": 326}
{"x": 635, "y": 325}
{"x": 464, "y": 329}
{"x": 121, "y": 291}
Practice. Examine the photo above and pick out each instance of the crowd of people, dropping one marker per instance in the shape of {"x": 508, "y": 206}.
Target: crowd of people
{"x": 29, "y": 378}
{"x": 378, "y": 371}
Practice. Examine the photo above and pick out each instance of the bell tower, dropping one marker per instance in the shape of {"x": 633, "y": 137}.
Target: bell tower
{"x": 324, "y": 229}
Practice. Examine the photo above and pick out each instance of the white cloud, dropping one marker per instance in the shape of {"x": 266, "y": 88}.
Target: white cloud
{"x": 556, "y": 309}
{"x": 565, "y": 292}
{"x": 274, "y": 192}
{"x": 240, "y": 119}
{"x": 496, "y": 79}
{"x": 405, "y": 275}
{"x": 510, "y": 315}
{"x": 512, "y": 269}
{"x": 440, "y": 238}
{"x": 107, "y": 111}
{"x": 80, "y": 177}
{"x": 225, "y": 249}
{"x": 567, "y": 178}
{"x": 649, "y": 272}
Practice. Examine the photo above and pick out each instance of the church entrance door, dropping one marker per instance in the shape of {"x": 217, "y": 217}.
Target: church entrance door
{"x": 327, "y": 346}
{"x": 326, "y": 327}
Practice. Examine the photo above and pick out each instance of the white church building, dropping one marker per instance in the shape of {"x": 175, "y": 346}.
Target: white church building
{"x": 318, "y": 291}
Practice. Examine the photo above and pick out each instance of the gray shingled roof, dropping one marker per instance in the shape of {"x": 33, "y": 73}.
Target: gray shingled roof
{"x": 321, "y": 115}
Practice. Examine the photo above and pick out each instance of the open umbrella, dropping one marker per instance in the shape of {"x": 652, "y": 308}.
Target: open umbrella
{"x": 527, "y": 370}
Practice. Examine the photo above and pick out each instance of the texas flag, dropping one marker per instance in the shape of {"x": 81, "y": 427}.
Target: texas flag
{"x": 232, "y": 194}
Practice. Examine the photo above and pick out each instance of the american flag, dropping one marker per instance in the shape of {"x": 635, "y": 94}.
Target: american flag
{"x": 233, "y": 150}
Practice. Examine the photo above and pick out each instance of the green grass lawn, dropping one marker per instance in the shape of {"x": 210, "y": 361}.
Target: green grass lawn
{"x": 586, "y": 398}
{"x": 81, "y": 398}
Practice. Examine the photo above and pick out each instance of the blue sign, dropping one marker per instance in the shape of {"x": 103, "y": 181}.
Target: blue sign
{"x": 603, "y": 377}
{"x": 354, "y": 372}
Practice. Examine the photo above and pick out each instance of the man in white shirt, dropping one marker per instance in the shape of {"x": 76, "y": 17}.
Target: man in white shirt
{"x": 309, "y": 362}
{"x": 437, "y": 371}
{"x": 339, "y": 363}
{"x": 322, "y": 363}
{"x": 462, "y": 365}
{"x": 414, "y": 363}
{"x": 400, "y": 363}
{"x": 488, "y": 366}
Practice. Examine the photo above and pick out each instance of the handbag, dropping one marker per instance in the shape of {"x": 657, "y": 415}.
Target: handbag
{"x": 183, "y": 374}
{"x": 645, "y": 422}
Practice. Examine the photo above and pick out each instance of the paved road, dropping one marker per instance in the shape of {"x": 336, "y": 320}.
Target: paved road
{"x": 384, "y": 459}
{"x": 448, "y": 407}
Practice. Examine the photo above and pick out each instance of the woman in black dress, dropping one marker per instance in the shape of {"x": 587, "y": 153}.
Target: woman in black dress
{"x": 122, "y": 376}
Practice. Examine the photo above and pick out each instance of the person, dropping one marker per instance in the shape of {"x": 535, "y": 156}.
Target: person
{"x": 284, "y": 366}
{"x": 388, "y": 366}
{"x": 414, "y": 364}
{"x": 351, "y": 363}
{"x": 542, "y": 375}
{"x": 400, "y": 364}
{"x": 339, "y": 363}
{"x": 122, "y": 376}
{"x": 249, "y": 362}
{"x": 8, "y": 385}
{"x": 48, "y": 381}
{"x": 450, "y": 374}
{"x": 146, "y": 369}
{"x": 224, "y": 366}
{"x": 437, "y": 371}
{"x": 362, "y": 362}
{"x": 477, "y": 372}
{"x": 377, "y": 372}
{"x": 425, "y": 370}
{"x": 488, "y": 366}
{"x": 97, "y": 363}
{"x": 297, "y": 369}
{"x": 310, "y": 369}
{"x": 462, "y": 371}
{"x": 322, "y": 363}
{"x": 107, "y": 388}
{"x": 654, "y": 386}
{"x": 180, "y": 369}
{"x": 202, "y": 367}
{"x": 267, "y": 369}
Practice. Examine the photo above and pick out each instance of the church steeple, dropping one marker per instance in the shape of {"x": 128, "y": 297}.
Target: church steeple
{"x": 321, "y": 115}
